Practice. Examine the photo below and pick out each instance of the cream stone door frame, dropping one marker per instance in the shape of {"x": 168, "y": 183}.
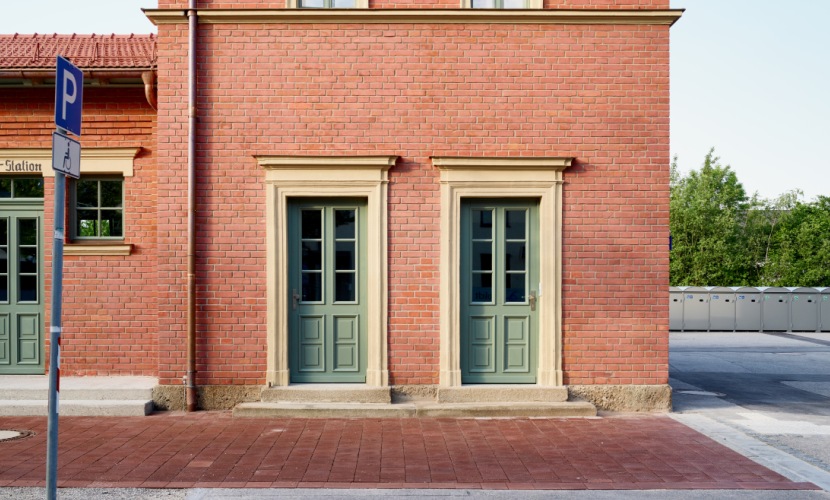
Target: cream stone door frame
{"x": 537, "y": 178}
{"x": 325, "y": 176}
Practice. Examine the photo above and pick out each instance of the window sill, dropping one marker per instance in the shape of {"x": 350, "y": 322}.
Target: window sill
{"x": 97, "y": 249}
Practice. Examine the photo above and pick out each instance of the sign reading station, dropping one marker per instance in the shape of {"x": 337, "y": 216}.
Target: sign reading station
{"x": 69, "y": 96}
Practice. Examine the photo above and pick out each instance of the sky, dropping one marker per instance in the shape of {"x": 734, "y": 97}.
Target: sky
{"x": 750, "y": 78}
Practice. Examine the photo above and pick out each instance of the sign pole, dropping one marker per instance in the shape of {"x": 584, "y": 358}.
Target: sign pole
{"x": 55, "y": 337}
{"x": 66, "y": 159}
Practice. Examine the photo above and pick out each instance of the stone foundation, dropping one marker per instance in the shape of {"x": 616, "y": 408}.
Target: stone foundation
{"x": 624, "y": 397}
{"x": 406, "y": 393}
{"x": 209, "y": 397}
{"x": 627, "y": 398}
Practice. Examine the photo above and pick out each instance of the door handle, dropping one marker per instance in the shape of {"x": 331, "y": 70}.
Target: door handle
{"x": 295, "y": 298}
{"x": 532, "y": 300}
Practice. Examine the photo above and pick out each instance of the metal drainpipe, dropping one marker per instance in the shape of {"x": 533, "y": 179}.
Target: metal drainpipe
{"x": 190, "y": 391}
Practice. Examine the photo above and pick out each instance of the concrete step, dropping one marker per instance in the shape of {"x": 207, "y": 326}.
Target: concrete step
{"x": 508, "y": 393}
{"x": 327, "y": 393}
{"x": 420, "y": 409}
{"x": 77, "y": 408}
{"x": 28, "y": 395}
{"x": 29, "y": 387}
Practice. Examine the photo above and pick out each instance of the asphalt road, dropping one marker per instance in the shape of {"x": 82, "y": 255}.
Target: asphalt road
{"x": 774, "y": 388}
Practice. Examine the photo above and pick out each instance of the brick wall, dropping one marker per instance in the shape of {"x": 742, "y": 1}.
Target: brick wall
{"x": 109, "y": 303}
{"x": 422, "y": 4}
{"x": 598, "y": 93}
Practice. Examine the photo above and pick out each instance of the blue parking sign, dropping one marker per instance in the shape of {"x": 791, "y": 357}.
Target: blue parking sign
{"x": 69, "y": 96}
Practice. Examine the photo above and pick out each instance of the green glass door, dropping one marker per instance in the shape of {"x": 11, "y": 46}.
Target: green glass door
{"x": 21, "y": 292}
{"x": 499, "y": 288}
{"x": 327, "y": 299}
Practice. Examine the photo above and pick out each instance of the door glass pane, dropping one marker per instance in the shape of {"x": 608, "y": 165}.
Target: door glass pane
{"x": 27, "y": 231}
{"x": 344, "y": 225}
{"x": 514, "y": 256}
{"x": 28, "y": 260}
{"x": 344, "y": 287}
{"x": 514, "y": 224}
{"x": 28, "y": 289}
{"x": 344, "y": 259}
{"x": 482, "y": 256}
{"x": 482, "y": 287}
{"x": 312, "y": 259}
{"x": 5, "y": 188}
{"x": 514, "y": 287}
{"x": 312, "y": 224}
{"x": 4, "y": 260}
{"x": 27, "y": 257}
{"x": 482, "y": 224}
{"x": 312, "y": 287}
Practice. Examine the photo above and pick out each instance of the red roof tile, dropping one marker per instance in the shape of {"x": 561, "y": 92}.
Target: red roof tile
{"x": 33, "y": 52}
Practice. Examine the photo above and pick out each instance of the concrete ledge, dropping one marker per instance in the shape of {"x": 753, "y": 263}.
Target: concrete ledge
{"x": 508, "y": 409}
{"x": 77, "y": 408}
{"x": 327, "y": 393}
{"x": 78, "y": 394}
{"x": 502, "y": 394}
{"x": 23, "y": 387}
{"x": 410, "y": 410}
{"x": 324, "y": 410}
{"x": 624, "y": 397}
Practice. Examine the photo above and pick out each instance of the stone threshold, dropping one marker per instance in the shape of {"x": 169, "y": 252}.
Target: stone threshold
{"x": 415, "y": 410}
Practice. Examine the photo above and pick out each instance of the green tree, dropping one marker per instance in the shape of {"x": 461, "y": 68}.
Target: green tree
{"x": 800, "y": 248}
{"x": 708, "y": 214}
{"x": 762, "y": 224}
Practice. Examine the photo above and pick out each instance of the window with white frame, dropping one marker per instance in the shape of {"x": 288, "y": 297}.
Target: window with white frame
{"x": 328, "y": 4}
{"x": 502, "y": 4}
{"x": 98, "y": 208}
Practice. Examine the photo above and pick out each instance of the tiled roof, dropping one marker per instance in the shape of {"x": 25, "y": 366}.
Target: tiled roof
{"x": 91, "y": 52}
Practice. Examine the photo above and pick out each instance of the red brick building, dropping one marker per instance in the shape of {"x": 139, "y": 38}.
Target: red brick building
{"x": 414, "y": 198}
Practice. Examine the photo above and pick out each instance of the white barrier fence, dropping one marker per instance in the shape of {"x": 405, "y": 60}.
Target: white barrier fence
{"x": 755, "y": 309}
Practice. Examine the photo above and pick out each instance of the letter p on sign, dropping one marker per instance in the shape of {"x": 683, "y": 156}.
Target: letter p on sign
{"x": 69, "y": 96}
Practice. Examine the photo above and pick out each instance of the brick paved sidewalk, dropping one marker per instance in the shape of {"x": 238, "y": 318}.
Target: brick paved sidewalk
{"x": 212, "y": 449}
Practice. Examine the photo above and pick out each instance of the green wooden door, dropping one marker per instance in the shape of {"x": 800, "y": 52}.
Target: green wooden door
{"x": 327, "y": 280}
{"x": 499, "y": 286}
{"x": 21, "y": 291}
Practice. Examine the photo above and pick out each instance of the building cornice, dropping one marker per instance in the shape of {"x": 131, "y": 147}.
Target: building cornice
{"x": 419, "y": 16}
{"x": 93, "y": 160}
{"x": 484, "y": 163}
{"x": 277, "y": 162}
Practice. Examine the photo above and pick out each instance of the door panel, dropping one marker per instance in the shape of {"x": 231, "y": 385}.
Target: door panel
{"x": 327, "y": 341}
{"x": 5, "y": 342}
{"x": 499, "y": 280}
{"x": 21, "y": 292}
{"x": 482, "y": 345}
{"x": 311, "y": 343}
{"x": 517, "y": 344}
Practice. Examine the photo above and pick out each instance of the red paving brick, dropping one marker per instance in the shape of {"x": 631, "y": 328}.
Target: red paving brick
{"x": 212, "y": 449}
